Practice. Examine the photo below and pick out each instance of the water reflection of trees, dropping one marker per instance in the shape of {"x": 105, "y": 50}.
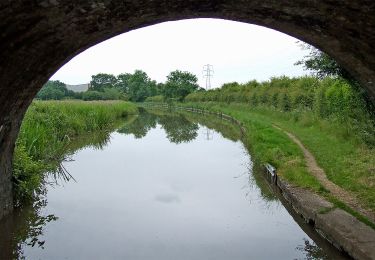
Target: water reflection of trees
{"x": 140, "y": 126}
{"x": 177, "y": 128}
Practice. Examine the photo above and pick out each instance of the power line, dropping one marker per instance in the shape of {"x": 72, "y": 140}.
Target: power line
{"x": 208, "y": 72}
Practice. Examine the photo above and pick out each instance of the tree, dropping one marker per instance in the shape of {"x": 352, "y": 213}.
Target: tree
{"x": 137, "y": 86}
{"x": 112, "y": 94}
{"x": 101, "y": 81}
{"x": 323, "y": 65}
{"x": 180, "y": 84}
{"x": 123, "y": 82}
{"x": 53, "y": 89}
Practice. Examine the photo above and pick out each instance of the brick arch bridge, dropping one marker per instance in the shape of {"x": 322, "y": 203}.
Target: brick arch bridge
{"x": 38, "y": 36}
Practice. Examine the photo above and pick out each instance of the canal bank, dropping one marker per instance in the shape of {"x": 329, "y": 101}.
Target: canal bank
{"x": 340, "y": 228}
{"x": 343, "y": 230}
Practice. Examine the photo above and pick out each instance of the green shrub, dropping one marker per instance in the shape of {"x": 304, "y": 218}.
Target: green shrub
{"x": 285, "y": 103}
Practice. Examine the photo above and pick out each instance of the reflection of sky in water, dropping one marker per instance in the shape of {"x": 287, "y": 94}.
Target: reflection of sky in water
{"x": 167, "y": 198}
{"x": 149, "y": 198}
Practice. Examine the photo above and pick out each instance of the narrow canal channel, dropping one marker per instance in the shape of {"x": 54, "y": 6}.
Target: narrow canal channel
{"x": 163, "y": 186}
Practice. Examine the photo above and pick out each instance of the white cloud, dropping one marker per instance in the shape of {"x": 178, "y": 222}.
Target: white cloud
{"x": 238, "y": 51}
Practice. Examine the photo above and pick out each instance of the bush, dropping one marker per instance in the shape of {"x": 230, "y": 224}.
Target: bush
{"x": 92, "y": 95}
{"x": 285, "y": 103}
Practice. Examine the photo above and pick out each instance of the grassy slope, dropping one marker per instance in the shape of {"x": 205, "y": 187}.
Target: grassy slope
{"x": 346, "y": 162}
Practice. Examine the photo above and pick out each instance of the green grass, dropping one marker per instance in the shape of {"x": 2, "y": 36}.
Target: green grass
{"x": 47, "y": 131}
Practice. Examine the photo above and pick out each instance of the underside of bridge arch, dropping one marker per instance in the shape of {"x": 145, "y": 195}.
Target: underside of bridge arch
{"x": 37, "y": 37}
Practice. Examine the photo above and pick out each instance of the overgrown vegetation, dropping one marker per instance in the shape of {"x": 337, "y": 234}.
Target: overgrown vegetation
{"x": 332, "y": 100}
{"x": 46, "y": 132}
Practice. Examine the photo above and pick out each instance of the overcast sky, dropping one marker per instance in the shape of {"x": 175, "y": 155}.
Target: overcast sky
{"x": 238, "y": 52}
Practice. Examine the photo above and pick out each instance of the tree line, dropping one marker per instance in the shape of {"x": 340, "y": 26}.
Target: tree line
{"x": 135, "y": 87}
{"x": 330, "y": 93}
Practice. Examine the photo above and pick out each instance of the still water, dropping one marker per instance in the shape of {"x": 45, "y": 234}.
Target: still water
{"x": 163, "y": 186}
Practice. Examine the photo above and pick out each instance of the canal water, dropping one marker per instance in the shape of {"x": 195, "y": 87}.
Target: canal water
{"x": 163, "y": 186}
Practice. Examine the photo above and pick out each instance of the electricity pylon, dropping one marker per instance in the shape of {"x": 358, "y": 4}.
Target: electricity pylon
{"x": 208, "y": 72}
